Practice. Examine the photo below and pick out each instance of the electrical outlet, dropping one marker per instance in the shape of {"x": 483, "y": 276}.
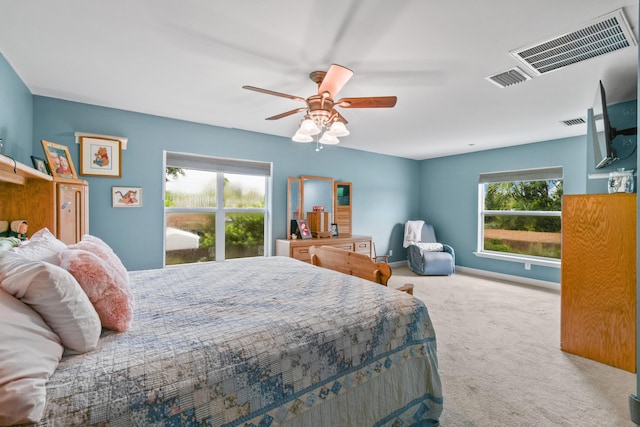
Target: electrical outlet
{"x": 390, "y": 252}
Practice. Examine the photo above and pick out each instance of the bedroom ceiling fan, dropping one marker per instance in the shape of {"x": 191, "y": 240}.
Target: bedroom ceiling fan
{"x": 320, "y": 108}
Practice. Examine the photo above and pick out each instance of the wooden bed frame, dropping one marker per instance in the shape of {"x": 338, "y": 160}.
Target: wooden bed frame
{"x": 354, "y": 264}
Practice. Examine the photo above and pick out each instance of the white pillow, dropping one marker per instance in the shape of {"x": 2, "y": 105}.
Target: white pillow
{"x": 430, "y": 247}
{"x": 43, "y": 246}
{"x": 56, "y": 295}
{"x": 29, "y": 353}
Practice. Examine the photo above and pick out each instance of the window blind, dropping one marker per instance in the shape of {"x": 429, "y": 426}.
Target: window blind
{"x": 539, "y": 174}
{"x": 217, "y": 164}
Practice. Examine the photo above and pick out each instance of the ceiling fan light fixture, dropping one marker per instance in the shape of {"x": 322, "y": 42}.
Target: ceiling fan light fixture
{"x": 328, "y": 139}
{"x": 308, "y": 127}
{"x": 338, "y": 129}
{"x": 299, "y": 137}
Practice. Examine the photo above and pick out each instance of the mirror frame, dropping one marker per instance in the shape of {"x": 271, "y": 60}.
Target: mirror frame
{"x": 301, "y": 182}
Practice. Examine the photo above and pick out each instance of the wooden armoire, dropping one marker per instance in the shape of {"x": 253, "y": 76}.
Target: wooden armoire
{"x": 598, "y": 278}
{"x": 60, "y": 204}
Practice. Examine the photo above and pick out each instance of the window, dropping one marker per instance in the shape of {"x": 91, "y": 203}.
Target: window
{"x": 520, "y": 215}
{"x": 215, "y": 208}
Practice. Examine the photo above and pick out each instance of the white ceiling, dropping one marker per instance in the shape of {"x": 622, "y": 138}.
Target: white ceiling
{"x": 189, "y": 59}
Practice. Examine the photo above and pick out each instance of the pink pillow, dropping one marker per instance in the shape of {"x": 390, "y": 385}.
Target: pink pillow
{"x": 108, "y": 293}
{"x": 98, "y": 247}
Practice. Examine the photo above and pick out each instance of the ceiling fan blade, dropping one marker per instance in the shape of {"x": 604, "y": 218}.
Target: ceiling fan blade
{"x": 368, "y": 102}
{"x": 271, "y": 92}
{"x": 288, "y": 113}
{"x": 334, "y": 80}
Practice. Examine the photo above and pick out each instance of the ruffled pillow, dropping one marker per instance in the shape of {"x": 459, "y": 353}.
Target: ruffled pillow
{"x": 109, "y": 294}
{"x": 430, "y": 247}
{"x": 56, "y": 295}
{"x": 29, "y": 353}
{"x": 43, "y": 246}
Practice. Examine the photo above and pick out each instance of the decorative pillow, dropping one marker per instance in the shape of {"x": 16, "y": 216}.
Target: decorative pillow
{"x": 43, "y": 246}
{"x": 430, "y": 247}
{"x": 29, "y": 353}
{"x": 98, "y": 247}
{"x": 56, "y": 295}
{"x": 110, "y": 295}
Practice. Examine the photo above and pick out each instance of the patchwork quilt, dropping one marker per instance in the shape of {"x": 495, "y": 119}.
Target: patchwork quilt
{"x": 268, "y": 341}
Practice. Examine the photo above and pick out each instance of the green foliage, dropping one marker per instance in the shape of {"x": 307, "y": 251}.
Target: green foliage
{"x": 524, "y": 196}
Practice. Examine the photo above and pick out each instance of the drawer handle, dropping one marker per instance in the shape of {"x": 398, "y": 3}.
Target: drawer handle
{"x": 304, "y": 251}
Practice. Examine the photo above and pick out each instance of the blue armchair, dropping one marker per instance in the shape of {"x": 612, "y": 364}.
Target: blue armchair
{"x": 430, "y": 258}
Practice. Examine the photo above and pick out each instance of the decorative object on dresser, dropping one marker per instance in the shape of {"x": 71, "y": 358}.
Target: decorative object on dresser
{"x": 598, "y": 278}
{"x": 303, "y": 229}
{"x": 59, "y": 204}
{"x": 40, "y": 164}
{"x": 100, "y": 157}
{"x": 59, "y": 158}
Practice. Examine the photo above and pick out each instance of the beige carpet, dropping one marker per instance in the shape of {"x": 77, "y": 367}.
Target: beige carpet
{"x": 500, "y": 360}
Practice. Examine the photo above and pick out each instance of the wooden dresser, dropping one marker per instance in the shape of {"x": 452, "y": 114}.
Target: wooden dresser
{"x": 59, "y": 204}
{"x": 598, "y": 278}
{"x": 299, "y": 248}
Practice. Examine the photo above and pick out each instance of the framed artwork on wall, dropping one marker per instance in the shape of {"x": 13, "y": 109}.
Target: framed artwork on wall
{"x": 126, "y": 197}
{"x": 100, "y": 157}
{"x": 59, "y": 159}
{"x": 40, "y": 164}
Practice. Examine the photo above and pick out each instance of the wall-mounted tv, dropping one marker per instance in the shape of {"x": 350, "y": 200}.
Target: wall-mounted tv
{"x": 603, "y": 133}
{"x": 603, "y": 151}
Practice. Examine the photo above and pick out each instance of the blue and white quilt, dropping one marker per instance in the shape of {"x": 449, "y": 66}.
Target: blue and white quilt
{"x": 265, "y": 341}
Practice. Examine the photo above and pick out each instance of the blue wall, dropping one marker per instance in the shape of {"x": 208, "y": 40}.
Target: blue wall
{"x": 380, "y": 197}
{"x": 387, "y": 190}
{"x": 449, "y": 195}
{"x": 16, "y": 115}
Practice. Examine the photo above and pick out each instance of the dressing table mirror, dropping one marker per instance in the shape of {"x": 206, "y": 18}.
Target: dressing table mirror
{"x": 306, "y": 192}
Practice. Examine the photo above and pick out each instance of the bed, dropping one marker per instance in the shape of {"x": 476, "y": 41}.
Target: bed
{"x": 265, "y": 341}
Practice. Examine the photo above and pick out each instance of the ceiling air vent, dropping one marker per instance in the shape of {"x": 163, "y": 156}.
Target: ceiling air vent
{"x": 573, "y": 122}
{"x": 509, "y": 77}
{"x": 604, "y": 35}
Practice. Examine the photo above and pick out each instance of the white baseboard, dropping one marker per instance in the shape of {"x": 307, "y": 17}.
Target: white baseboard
{"x": 510, "y": 278}
{"x": 497, "y": 276}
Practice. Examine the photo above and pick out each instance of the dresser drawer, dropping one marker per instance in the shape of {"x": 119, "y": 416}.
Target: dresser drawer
{"x": 363, "y": 248}
{"x": 345, "y": 246}
{"x": 301, "y": 253}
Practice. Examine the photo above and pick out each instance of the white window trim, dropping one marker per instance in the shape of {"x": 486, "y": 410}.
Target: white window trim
{"x": 224, "y": 165}
{"x": 527, "y": 260}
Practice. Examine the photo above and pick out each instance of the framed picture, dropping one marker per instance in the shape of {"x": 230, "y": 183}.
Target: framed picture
{"x": 59, "y": 159}
{"x": 334, "y": 229}
{"x": 40, "y": 164}
{"x": 305, "y": 232}
{"x": 100, "y": 157}
{"x": 126, "y": 197}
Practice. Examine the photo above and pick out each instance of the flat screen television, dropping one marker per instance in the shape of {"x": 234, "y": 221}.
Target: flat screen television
{"x": 602, "y": 135}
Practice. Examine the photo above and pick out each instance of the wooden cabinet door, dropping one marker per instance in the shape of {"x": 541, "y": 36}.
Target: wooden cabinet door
{"x": 71, "y": 209}
{"x": 598, "y": 285}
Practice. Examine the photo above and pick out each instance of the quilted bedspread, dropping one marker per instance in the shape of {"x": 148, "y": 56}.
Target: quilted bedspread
{"x": 264, "y": 341}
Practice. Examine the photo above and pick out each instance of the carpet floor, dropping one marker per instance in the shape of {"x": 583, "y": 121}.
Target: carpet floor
{"x": 500, "y": 360}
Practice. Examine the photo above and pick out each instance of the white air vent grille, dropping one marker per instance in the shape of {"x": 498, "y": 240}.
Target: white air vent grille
{"x": 606, "y": 34}
{"x": 573, "y": 122}
{"x": 509, "y": 77}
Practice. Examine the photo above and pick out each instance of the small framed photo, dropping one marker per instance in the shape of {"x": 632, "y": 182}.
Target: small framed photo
{"x": 59, "y": 159}
{"x": 126, "y": 197}
{"x": 100, "y": 157}
{"x": 334, "y": 229}
{"x": 303, "y": 227}
{"x": 40, "y": 164}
